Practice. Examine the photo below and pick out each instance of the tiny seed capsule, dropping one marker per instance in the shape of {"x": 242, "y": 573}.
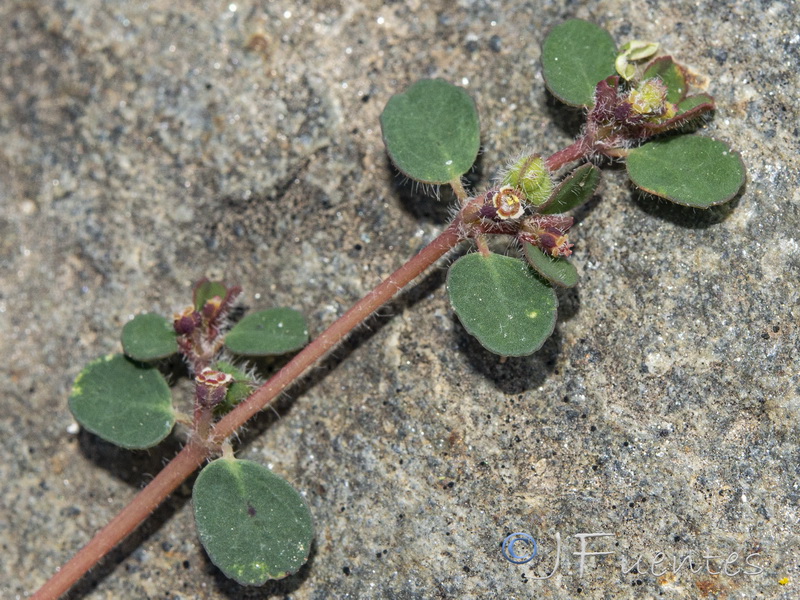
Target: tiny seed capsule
{"x": 531, "y": 177}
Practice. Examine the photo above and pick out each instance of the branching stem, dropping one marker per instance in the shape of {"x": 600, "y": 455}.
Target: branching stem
{"x": 195, "y": 452}
{"x": 200, "y": 448}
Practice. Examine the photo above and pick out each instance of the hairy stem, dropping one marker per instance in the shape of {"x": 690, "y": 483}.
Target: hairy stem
{"x": 575, "y": 151}
{"x": 202, "y": 420}
{"x": 197, "y": 451}
{"x": 459, "y": 191}
{"x": 142, "y": 505}
{"x": 483, "y": 246}
{"x": 201, "y": 448}
{"x": 331, "y": 336}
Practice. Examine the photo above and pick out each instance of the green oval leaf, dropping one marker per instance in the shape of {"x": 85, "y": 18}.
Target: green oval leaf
{"x": 689, "y": 169}
{"x": 205, "y": 290}
{"x": 268, "y": 332}
{"x": 573, "y": 191}
{"x": 500, "y": 302}
{"x": 252, "y": 523}
{"x": 149, "y": 337}
{"x": 124, "y": 402}
{"x": 431, "y": 131}
{"x": 556, "y": 270}
{"x": 671, "y": 73}
{"x": 576, "y": 56}
{"x": 689, "y": 103}
{"x": 637, "y": 50}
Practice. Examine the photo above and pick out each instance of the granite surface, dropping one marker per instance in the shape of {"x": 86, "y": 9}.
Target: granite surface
{"x": 147, "y": 144}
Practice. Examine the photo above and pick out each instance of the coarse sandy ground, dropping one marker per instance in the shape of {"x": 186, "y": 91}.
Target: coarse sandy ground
{"x": 147, "y": 144}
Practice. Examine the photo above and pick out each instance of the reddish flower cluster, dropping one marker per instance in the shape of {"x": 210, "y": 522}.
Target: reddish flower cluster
{"x": 623, "y": 117}
{"x": 211, "y": 386}
{"x": 548, "y": 232}
{"x": 501, "y": 211}
{"x": 199, "y": 330}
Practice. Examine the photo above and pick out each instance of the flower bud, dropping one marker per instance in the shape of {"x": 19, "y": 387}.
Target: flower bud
{"x": 649, "y": 98}
{"x": 187, "y": 321}
{"x": 211, "y": 386}
{"x": 549, "y": 233}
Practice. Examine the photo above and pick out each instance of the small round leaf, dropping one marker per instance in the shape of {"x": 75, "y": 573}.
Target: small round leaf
{"x": 573, "y": 191}
{"x": 576, "y": 56}
{"x": 689, "y": 169}
{"x": 206, "y": 290}
{"x": 124, "y": 402}
{"x": 556, "y": 270}
{"x": 691, "y": 102}
{"x": 431, "y": 131}
{"x": 149, "y": 337}
{"x": 500, "y": 302}
{"x": 252, "y": 523}
{"x": 268, "y": 332}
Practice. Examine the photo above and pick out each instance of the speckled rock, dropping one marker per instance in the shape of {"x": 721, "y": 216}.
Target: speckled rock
{"x": 146, "y": 145}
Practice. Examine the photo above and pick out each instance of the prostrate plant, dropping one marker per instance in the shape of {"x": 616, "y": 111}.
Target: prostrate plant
{"x": 496, "y": 297}
{"x": 124, "y": 399}
{"x": 253, "y": 525}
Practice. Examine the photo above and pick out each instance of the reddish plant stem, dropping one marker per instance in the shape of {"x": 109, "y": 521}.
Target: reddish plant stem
{"x": 482, "y": 244}
{"x": 459, "y": 191}
{"x": 202, "y": 420}
{"x": 575, "y": 151}
{"x": 194, "y": 453}
{"x": 331, "y": 336}
{"x": 144, "y": 503}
